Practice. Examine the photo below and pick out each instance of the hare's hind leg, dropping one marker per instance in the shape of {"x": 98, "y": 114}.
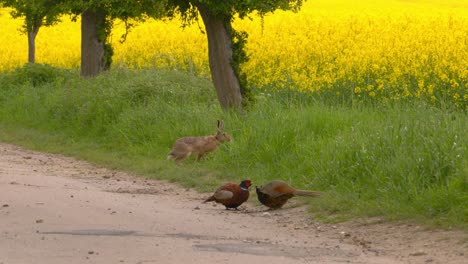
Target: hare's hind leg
{"x": 182, "y": 157}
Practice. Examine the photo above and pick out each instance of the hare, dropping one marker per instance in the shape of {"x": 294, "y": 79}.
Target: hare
{"x": 200, "y": 146}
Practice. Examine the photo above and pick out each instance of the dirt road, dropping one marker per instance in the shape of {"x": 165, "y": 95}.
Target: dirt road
{"x": 55, "y": 209}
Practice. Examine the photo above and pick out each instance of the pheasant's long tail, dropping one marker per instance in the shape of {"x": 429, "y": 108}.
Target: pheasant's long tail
{"x": 210, "y": 199}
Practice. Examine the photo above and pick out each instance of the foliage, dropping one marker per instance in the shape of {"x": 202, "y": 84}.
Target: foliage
{"x": 121, "y": 9}
{"x": 239, "y": 57}
{"x": 35, "y": 75}
{"x": 397, "y": 160}
{"x": 230, "y": 8}
{"x": 36, "y": 13}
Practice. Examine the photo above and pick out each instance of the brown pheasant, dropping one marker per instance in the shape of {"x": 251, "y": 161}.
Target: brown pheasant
{"x": 231, "y": 195}
{"x": 276, "y": 193}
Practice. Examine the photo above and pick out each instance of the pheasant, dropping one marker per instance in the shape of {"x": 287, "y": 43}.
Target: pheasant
{"x": 276, "y": 193}
{"x": 231, "y": 195}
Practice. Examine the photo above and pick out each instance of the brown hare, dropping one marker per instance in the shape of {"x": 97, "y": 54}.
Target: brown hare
{"x": 200, "y": 146}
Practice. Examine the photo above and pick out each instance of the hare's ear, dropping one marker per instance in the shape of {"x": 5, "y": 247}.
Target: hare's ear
{"x": 220, "y": 125}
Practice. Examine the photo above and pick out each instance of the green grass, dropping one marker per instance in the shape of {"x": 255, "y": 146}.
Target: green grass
{"x": 401, "y": 161}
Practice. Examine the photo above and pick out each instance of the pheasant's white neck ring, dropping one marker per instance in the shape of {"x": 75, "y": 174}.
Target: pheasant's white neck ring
{"x": 244, "y": 189}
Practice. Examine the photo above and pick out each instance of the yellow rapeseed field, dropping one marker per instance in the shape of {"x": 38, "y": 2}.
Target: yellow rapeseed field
{"x": 383, "y": 49}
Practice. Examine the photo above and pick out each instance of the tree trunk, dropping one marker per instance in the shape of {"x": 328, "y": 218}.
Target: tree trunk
{"x": 32, "y": 41}
{"x": 92, "y": 46}
{"x": 220, "y": 57}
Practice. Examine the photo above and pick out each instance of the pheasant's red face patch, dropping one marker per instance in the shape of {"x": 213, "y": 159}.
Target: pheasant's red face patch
{"x": 247, "y": 183}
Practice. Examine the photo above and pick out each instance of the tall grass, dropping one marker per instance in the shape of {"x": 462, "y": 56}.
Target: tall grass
{"x": 405, "y": 160}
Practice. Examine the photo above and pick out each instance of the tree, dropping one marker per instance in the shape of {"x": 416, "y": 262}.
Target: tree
{"x": 97, "y": 18}
{"x": 96, "y": 51}
{"x": 37, "y": 13}
{"x": 226, "y": 45}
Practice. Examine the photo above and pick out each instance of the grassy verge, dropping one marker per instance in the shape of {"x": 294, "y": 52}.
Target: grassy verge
{"x": 405, "y": 161}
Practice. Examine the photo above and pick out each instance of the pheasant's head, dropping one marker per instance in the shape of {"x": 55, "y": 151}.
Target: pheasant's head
{"x": 245, "y": 184}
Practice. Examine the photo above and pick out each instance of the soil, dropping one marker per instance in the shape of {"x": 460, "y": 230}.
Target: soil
{"x": 55, "y": 209}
